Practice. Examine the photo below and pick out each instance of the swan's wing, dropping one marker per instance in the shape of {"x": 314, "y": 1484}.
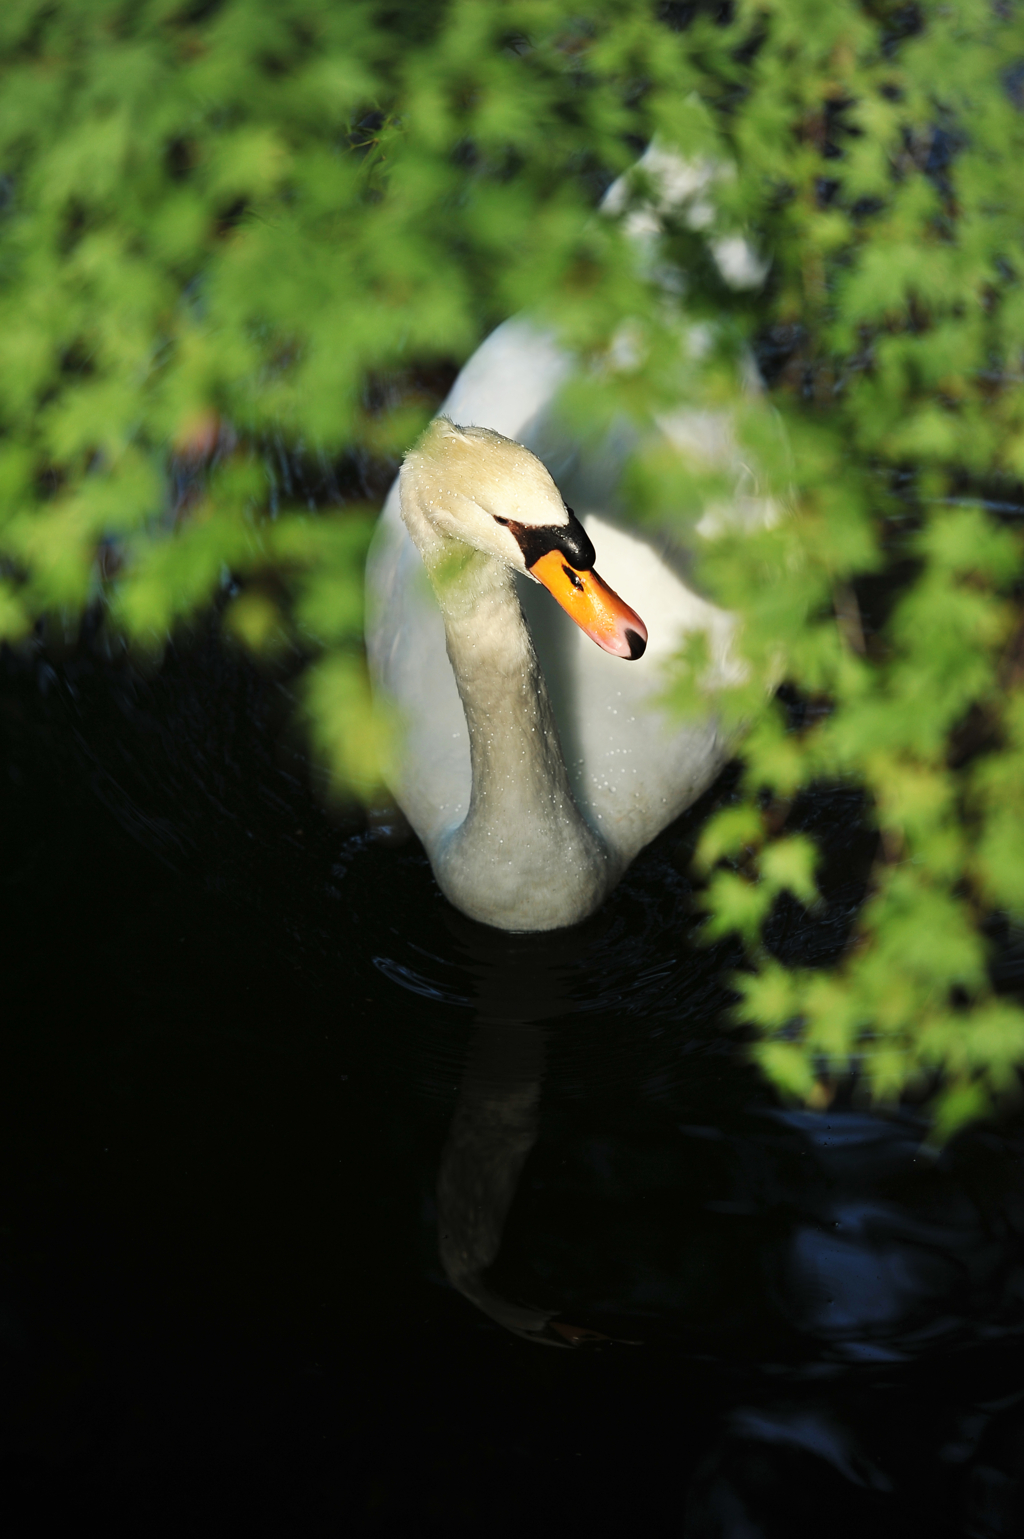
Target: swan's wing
{"x": 510, "y": 379}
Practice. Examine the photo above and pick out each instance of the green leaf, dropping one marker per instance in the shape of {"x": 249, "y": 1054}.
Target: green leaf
{"x": 768, "y": 997}
{"x": 733, "y": 903}
{"x": 788, "y": 865}
{"x": 730, "y": 832}
{"x": 961, "y": 1102}
{"x": 787, "y": 1067}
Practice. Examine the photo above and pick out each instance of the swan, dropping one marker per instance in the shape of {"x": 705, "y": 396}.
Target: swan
{"x": 533, "y": 769}
{"x": 535, "y": 764}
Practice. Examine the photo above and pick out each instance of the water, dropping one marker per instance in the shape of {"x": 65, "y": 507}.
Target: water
{"x": 294, "y": 1157}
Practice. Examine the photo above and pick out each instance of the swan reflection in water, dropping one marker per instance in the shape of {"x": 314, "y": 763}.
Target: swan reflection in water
{"x": 886, "y": 1282}
{"x": 493, "y": 1130}
{"x": 522, "y": 980}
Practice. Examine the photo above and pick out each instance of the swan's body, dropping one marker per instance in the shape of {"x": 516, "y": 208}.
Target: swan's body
{"x": 536, "y": 766}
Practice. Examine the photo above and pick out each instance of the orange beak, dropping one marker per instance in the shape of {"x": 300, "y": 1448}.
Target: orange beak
{"x": 593, "y": 605}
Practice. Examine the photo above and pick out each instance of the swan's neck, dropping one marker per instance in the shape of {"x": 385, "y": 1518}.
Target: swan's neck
{"x": 524, "y": 858}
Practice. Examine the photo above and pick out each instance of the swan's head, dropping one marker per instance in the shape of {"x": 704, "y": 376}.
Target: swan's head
{"x": 473, "y": 485}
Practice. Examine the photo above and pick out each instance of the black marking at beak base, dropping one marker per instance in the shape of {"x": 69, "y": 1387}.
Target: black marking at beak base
{"x": 570, "y": 540}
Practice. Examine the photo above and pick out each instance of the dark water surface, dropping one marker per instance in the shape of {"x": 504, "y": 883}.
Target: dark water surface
{"x": 253, "y": 1067}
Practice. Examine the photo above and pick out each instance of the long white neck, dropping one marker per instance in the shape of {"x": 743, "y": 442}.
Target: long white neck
{"x": 524, "y": 858}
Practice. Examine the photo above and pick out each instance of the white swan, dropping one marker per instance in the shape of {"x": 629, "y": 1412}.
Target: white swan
{"x": 536, "y": 765}
{"x": 531, "y": 797}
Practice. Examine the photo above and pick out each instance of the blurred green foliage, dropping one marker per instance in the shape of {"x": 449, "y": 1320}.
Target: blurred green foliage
{"x": 242, "y": 229}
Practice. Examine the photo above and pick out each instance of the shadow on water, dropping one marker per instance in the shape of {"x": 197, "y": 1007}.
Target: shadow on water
{"x": 301, "y": 1169}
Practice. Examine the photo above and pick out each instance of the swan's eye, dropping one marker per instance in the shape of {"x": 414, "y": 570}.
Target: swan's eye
{"x": 499, "y": 520}
{"x": 576, "y": 581}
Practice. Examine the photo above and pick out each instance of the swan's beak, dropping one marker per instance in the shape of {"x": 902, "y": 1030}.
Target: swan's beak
{"x": 593, "y": 605}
